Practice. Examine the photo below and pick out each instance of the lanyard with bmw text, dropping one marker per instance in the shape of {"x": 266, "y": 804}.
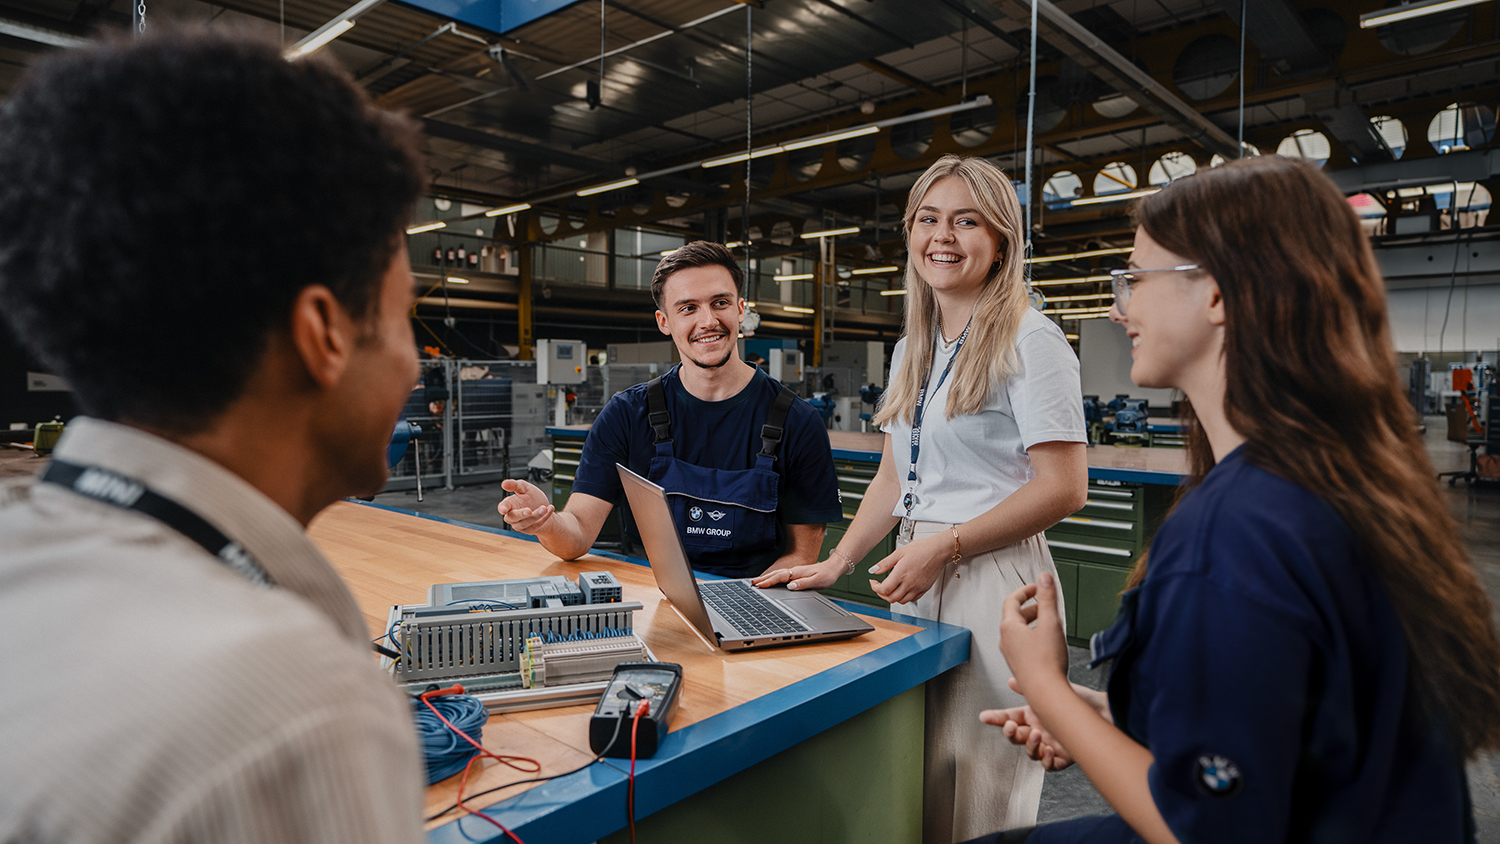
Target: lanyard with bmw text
{"x": 916, "y": 420}
{"x": 130, "y": 494}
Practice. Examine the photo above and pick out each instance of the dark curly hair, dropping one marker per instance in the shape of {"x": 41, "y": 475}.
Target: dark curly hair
{"x": 164, "y": 200}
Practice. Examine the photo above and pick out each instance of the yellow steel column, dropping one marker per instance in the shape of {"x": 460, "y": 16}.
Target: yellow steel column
{"x": 523, "y": 311}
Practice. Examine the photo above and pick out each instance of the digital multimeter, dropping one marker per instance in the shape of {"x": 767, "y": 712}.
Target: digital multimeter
{"x": 657, "y": 683}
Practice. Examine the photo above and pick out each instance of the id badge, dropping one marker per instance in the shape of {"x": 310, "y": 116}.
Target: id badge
{"x": 904, "y": 532}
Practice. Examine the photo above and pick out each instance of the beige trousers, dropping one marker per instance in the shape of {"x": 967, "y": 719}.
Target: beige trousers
{"x": 975, "y": 781}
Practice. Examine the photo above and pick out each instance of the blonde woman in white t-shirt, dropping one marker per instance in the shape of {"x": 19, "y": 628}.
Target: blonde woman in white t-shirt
{"x": 1000, "y": 457}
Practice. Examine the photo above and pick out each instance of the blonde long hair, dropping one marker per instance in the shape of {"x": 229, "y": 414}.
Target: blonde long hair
{"x": 997, "y": 317}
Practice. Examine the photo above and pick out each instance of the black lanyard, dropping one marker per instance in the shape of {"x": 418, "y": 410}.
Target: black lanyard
{"x": 916, "y": 419}
{"x": 130, "y": 494}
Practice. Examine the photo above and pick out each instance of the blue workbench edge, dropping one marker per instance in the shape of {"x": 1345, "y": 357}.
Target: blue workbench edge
{"x": 696, "y": 756}
{"x": 858, "y": 455}
{"x": 1139, "y": 476}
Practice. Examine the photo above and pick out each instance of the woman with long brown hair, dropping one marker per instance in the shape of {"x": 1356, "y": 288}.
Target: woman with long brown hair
{"x": 984, "y": 448}
{"x": 1309, "y": 655}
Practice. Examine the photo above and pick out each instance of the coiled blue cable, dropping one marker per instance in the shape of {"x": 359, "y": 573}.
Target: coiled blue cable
{"x": 445, "y": 752}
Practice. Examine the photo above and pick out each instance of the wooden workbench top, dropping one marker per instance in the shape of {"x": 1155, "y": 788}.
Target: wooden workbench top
{"x": 390, "y": 557}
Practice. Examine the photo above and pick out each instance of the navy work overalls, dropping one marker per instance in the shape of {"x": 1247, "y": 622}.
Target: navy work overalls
{"x": 719, "y": 510}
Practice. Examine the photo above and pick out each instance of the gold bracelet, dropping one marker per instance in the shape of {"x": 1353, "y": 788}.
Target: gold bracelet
{"x": 957, "y": 555}
{"x": 847, "y": 559}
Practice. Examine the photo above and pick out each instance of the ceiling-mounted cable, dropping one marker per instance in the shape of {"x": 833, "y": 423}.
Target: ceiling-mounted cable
{"x": 749, "y": 135}
{"x": 1244, "y": 24}
{"x": 1031, "y": 191}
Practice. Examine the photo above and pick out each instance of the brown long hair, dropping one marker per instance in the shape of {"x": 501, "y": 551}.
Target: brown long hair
{"x": 997, "y": 316}
{"x": 1312, "y": 386}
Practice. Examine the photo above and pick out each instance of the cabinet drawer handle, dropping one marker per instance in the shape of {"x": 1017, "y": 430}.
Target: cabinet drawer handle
{"x": 1104, "y": 523}
{"x": 1108, "y": 505}
{"x": 1110, "y": 493}
{"x": 1077, "y": 546}
{"x": 557, "y": 477}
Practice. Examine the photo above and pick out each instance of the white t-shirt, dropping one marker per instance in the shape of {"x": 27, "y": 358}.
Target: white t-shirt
{"x": 968, "y": 464}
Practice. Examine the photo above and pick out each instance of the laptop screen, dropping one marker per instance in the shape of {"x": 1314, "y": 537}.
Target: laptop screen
{"x": 669, "y": 562}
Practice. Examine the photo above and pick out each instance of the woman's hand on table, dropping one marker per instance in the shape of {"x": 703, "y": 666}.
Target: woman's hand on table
{"x": 526, "y": 509}
{"x": 1021, "y": 726}
{"x": 801, "y": 578}
{"x": 913, "y": 568}
{"x": 1031, "y": 636}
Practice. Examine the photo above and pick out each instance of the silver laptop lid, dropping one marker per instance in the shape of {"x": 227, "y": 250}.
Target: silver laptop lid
{"x": 669, "y": 562}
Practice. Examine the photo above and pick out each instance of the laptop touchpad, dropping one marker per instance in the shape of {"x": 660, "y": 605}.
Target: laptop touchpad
{"x": 810, "y": 606}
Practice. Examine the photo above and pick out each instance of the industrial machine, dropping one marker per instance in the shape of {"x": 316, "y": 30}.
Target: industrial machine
{"x": 560, "y": 362}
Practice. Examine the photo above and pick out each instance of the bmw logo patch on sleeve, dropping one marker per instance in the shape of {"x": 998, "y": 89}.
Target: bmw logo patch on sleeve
{"x": 695, "y": 513}
{"x": 1216, "y": 776}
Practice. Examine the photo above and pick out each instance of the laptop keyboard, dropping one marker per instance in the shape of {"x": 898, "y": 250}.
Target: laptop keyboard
{"x": 750, "y": 612}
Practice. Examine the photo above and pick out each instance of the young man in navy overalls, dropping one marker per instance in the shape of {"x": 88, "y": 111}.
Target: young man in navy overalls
{"x": 746, "y": 465}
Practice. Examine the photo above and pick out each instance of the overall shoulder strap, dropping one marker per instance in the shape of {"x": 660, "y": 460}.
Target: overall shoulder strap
{"x": 775, "y": 427}
{"x": 656, "y": 410}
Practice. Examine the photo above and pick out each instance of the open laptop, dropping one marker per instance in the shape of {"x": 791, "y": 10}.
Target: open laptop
{"x": 732, "y": 613}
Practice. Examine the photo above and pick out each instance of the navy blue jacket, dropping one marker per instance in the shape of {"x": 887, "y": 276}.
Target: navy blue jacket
{"x": 1262, "y": 663}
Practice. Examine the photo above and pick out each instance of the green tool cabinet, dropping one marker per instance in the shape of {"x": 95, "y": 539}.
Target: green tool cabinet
{"x": 567, "y": 450}
{"x": 1095, "y": 548}
{"x": 855, "y": 470}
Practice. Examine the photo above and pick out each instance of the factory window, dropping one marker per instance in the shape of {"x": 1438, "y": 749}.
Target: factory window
{"x": 1306, "y": 143}
{"x": 1207, "y": 67}
{"x": 1458, "y": 128}
{"x": 1393, "y": 132}
{"x": 1116, "y": 177}
{"x": 804, "y": 163}
{"x": 1062, "y": 188}
{"x": 1171, "y": 167}
{"x": 909, "y": 140}
{"x": 975, "y": 126}
{"x": 1416, "y": 36}
{"x": 1250, "y": 150}
{"x": 1115, "y": 105}
{"x": 854, "y": 153}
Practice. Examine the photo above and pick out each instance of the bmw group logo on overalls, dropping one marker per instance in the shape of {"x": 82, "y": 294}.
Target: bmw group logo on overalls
{"x": 696, "y": 514}
{"x": 1216, "y": 776}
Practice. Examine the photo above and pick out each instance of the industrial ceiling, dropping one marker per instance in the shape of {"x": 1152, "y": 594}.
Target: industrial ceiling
{"x": 1130, "y": 93}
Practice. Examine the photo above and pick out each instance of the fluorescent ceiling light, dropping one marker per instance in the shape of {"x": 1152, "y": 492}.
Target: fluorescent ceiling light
{"x": 796, "y": 310}
{"x": 331, "y": 30}
{"x": 1047, "y": 259}
{"x": 733, "y": 244}
{"x": 798, "y": 277}
{"x": 830, "y": 138}
{"x": 1053, "y": 282}
{"x": 1100, "y": 315}
{"x": 1071, "y": 336}
{"x": 1412, "y": 10}
{"x": 509, "y": 209}
{"x": 842, "y": 134}
{"x": 454, "y": 280}
{"x": 319, "y": 38}
{"x": 755, "y": 153}
{"x": 623, "y": 183}
{"x": 426, "y": 227}
{"x": 900, "y": 292}
{"x": 1060, "y": 311}
{"x": 831, "y": 232}
{"x": 1114, "y": 197}
{"x": 874, "y": 270}
{"x": 1080, "y": 297}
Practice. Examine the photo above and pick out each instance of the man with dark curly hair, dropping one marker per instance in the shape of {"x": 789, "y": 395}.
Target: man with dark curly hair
{"x": 206, "y": 240}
